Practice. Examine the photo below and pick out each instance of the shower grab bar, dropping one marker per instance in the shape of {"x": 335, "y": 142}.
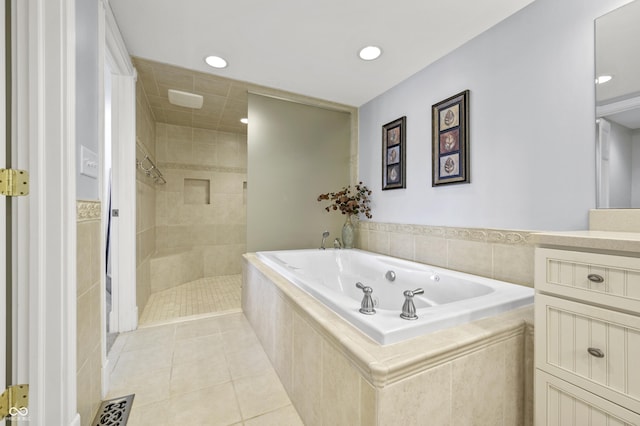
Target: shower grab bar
{"x": 152, "y": 171}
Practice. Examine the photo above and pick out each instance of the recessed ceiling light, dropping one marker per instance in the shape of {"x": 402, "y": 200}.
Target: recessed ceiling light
{"x": 244, "y": 120}
{"x": 603, "y": 79}
{"x": 215, "y": 62}
{"x": 370, "y": 53}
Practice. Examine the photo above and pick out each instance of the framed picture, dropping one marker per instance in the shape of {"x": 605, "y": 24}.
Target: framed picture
{"x": 450, "y": 140}
{"x": 393, "y": 154}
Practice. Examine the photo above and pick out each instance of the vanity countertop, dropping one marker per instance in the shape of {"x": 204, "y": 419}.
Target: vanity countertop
{"x": 598, "y": 240}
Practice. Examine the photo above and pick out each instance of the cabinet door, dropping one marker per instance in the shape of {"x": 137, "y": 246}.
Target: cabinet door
{"x": 559, "y": 403}
{"x": 594, "y": 348}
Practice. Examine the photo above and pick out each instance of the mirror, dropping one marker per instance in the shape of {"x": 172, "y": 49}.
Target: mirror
{"x": 617, "y": 72}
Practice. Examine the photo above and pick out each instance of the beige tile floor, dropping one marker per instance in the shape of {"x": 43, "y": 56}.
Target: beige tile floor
{"x": 199, "y": 297}
{"x": 209, "y": 371}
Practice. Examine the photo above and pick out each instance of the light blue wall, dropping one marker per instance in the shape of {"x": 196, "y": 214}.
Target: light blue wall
{"x": 87, "y": 100}
{"x": 532, "y": 125}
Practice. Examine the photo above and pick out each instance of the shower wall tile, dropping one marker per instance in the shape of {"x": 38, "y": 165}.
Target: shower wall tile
{"x": 146, "y": 192}
{"x": 171, "y": 270}
{"x": 493, "y": 253}
{"x": 218, "y": 229}
{"x": 223, "y": 260}
{"x": 143, "y": 278}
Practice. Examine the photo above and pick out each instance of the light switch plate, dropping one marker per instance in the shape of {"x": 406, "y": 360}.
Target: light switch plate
{"x": 88, "y": 162}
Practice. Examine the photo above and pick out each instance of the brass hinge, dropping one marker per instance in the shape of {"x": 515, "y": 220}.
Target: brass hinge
{"x": 14, "y": 183}
{"x": 14, "y": 401}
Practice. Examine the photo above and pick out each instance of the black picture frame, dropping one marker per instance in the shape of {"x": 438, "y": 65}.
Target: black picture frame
{"x": 394, "y": 154}
{"x": 450, "y": 140}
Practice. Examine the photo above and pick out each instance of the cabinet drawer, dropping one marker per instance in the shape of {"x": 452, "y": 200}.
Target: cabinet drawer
{"x": 597, "y": 278}
{"x": 559, "y": 403}
{"x": 566, "y": 333}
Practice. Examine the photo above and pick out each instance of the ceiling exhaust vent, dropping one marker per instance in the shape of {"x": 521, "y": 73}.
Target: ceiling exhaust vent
{"x": 185, "y": 99}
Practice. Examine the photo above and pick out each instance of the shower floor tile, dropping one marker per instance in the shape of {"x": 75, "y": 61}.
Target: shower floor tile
{"x": 203, "y": 297}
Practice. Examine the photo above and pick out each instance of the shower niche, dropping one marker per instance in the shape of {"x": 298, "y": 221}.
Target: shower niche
{"x": 197, "y": 191}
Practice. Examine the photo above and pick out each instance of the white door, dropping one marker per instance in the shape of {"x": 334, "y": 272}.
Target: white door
{"x": 3, "y": 208}
{"x": 13, "y": 368}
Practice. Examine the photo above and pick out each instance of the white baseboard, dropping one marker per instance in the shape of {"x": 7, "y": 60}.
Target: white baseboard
{"x": 76, "y": 420}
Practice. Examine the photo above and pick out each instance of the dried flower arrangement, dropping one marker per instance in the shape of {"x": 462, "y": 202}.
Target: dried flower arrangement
{"x": 350, "y": 201}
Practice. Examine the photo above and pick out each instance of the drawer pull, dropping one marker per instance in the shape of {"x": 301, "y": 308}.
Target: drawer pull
{"x": 595, "y": 278}
{"x": 596, "y": 352}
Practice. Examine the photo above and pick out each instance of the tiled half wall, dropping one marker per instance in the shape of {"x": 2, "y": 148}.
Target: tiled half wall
{"x": 89, "y": 323}
{"x": 506, "y": 255}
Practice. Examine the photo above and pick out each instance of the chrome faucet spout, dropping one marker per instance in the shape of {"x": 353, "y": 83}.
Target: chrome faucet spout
{"x": 325, "y": 234}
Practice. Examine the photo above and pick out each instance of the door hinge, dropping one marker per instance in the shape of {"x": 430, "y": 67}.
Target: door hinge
{"x": 14, "y": 401}
{"x": 14, "y": 183}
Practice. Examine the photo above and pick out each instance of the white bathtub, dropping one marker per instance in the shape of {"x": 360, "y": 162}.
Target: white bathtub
{"x": 450, "y": 298}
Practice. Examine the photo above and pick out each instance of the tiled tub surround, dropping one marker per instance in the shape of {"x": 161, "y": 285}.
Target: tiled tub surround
{"x": 478, "y": 373}
{"x": 501, "y": 254}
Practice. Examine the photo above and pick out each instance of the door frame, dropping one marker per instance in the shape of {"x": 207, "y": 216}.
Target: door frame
{"x": 3, "y": 206}
{"x": 47, "y": 139}
{"x": 124, "y": 314}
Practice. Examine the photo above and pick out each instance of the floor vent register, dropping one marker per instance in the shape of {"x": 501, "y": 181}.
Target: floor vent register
{"x": 114, "y": 412}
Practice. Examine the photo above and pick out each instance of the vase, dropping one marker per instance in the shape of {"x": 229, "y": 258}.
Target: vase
{"x": 348, "y": 232}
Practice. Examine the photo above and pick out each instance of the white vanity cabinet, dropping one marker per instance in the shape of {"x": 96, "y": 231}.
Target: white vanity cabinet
{"x": 587, "y": 337}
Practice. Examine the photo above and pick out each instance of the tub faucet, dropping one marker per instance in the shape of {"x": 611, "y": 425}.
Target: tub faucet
{"x": 408, "y": 308}
{"x": 366, "y": 307}
{"x": 337, "y": 244}
{"x": 325, "y": 234}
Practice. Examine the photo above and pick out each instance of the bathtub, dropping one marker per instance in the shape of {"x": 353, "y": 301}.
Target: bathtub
{"x": 450, "y": 298}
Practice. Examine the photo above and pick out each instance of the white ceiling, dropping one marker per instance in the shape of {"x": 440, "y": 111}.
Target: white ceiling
{"x": 307, "y": 47}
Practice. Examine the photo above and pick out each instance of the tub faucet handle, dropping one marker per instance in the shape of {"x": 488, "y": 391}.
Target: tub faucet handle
{"x": 367, "y": 305}
{"x": 337, "y": 244}
{"x": 409, "y": 308}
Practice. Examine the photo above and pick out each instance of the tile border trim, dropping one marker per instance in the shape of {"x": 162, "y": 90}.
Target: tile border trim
{"x": 487, "y": 235}
{"x": 197, "y": 167}
{"x": 88, "y": 210}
